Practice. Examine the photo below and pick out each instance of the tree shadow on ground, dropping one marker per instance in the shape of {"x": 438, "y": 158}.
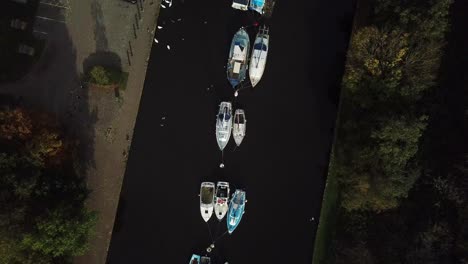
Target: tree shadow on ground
{"x": 102, "y": 58}
{"x": 54, "y": 86}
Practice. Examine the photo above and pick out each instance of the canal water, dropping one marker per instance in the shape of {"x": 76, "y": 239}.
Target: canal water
{"x": 282, "y": 161}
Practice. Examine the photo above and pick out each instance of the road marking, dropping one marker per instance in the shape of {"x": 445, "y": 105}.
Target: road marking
{"x": 59, "y": 6}
{"x": 46, "y": 18}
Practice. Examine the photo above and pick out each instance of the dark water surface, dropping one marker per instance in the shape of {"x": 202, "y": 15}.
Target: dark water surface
{"x": 281, "y": 163}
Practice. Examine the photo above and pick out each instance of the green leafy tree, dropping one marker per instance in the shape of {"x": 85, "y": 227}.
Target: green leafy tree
{"x": 61, "y": 232}
{"x": 99, "y": 75}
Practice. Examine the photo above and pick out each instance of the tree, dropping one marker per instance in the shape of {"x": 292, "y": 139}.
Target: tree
{"x": 99, "y": 75}
{"x": 43, "y": 218}
{"x": 45, "y": 145}
{"x": 15, "y": 124}
{"x": 432, "y": 246}
{"x": 61, "y": 232}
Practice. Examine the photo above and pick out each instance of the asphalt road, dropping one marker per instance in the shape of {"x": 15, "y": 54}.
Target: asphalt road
{"x": 281, "y": 163}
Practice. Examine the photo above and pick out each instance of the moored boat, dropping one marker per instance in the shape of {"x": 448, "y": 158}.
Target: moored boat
{"x": 236, "y": 210}
{"x": 195, "y": 259}
{"x": 221, "y": 199}
{"x": 259, "y": 56}
{"x": 239, "y": 126}
{"x": 224, "y": 124}
{"x": 240, "y": 4}
{"x": 238, "y": 55}
{"x": 257, "y": 5}
{"x": 206, "y": 200}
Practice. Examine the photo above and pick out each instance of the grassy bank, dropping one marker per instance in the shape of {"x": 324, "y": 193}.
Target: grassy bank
{"x": 326, "y": 227}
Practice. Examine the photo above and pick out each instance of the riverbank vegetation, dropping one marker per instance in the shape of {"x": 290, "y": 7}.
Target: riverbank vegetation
{"x": 396, "y": 202}
{"x": 43, "y": 218}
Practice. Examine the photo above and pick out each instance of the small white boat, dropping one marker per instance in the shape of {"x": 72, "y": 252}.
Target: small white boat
{"x": 221, "y": 200}
{"x": 239, "y": 126}
{"x": 224, "y": 124}
{"x": 259, "y": 56}
{"x": 206, "y": 200}
{"x": 241, "y": 4}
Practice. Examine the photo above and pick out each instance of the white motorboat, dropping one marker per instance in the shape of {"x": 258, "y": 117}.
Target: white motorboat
{"x": 221, "y": 200}
{"x": 239, "y": 126}
{"x": 240, "y": 4}
{"x": 207, "y": 200}
{"x": 259, "y": 56}
{"x": 224, "y": 124}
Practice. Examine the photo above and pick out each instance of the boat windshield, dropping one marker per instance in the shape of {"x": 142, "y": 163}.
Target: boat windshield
{"x": 222, "y": 192}
{"x": 227, "y": 117}
{"x": 260, "y": 46}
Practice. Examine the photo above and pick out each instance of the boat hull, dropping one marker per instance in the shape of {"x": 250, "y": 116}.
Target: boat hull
{"x": 206, "y": 200}
{"x": 259, "y": 58}
{"x": 224, "y": 125}
{"x": 236, "y": 210}
{"x": 239, "y": 126}
{"x": 221, "y": 209}
{"x": 237, "y": 65}
{"x": 221, "y": 200}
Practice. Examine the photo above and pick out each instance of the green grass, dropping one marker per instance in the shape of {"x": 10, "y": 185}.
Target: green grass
{"x": 326, "y": 229}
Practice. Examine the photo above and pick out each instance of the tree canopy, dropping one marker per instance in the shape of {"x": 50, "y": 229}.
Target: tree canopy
{"x": 43, "y": 218}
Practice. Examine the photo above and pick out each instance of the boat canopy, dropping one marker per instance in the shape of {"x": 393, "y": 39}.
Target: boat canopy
{"x": 260, "y": 46}
{"x": 207, "y": 195}
{"x": 257, "y": 3}
{"x": 239, "y": 52}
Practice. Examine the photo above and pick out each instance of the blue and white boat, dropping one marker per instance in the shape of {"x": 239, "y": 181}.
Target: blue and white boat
{"x": 195, "y": 259}
{"x": 238, "y": 58}
{"x": 236, "y": 210}
{"x": 257, "y": 5}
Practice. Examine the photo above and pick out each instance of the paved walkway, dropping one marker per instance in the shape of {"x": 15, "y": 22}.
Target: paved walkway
{"x": 80, "y": 34}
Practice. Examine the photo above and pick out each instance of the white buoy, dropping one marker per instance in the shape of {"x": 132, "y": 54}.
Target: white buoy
{"x": 236, "y": 94}
{"x": 168, "y": 47}
{"x": 163, "y": 118}
{"x": 159, "y": 27}
{"x": 179, "y": 19}
{"x": 163, "y": 6}
{"x": 155, "y": 40}
{"x": 221, "y": 165}
{"x": 170, "y": 4}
